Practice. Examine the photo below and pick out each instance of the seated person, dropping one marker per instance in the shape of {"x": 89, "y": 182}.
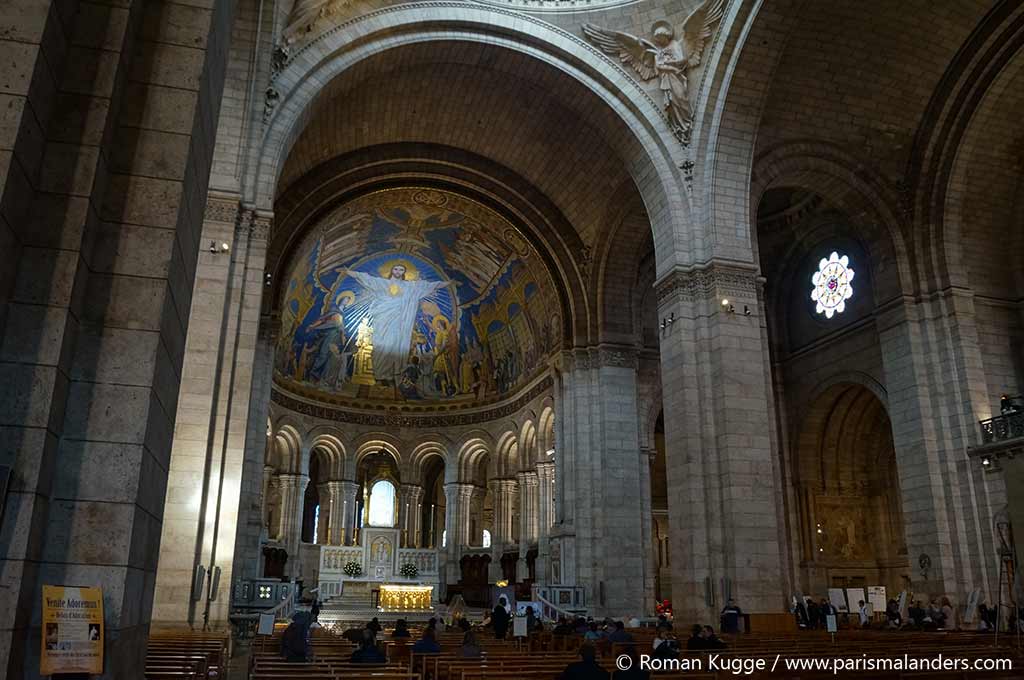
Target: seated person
{"x": 368, "y": 652}
{"x": 593, "y": 634}
{"x": 563, "y": 627}
{"x": 470, "y": 648}
{"x": 696, "y": 640}
{"x": 665, "y": 645}
{"x": 711, "y": 640}
{"x": 374, "y": 625}
{"x": 295, "y": 645}
{"x": 427, "y": 644}
{"x": 401, "y": 629}
{"x": 619, "y": 634}
{"x": 634, "y": 672}
{"x": 916, "y": 614}
{"x": 586, "y": 668}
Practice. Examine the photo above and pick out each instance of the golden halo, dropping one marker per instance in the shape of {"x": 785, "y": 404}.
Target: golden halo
{"x": 345, "y": 298}
{"x": 411, "y": 271}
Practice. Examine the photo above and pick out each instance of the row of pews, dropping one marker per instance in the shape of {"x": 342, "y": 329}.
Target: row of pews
{"x": 186, "y": 655}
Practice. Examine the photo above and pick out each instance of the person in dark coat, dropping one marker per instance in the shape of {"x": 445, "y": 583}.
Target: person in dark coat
{"x": 295, "y": 645}
{"x": 368, "y": 651}
{"x": 586, "y": 668}
{"x": 500, "y": 619}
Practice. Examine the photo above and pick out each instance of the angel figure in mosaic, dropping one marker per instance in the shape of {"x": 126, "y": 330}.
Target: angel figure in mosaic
{"x": 665, "y": 57}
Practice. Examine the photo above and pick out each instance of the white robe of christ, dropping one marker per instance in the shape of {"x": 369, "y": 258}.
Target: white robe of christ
{"x": 393, "y": 304}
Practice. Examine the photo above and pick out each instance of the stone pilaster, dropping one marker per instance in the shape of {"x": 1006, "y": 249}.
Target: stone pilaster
{"x": 323, "y": 533}
{"x": 937, "y": 392}
{"x": 458, "y": 496}
{"x": 201, "y": 511}
{"x": 527, "y": 483}
{"x": 722, "y": 473}
{"x": 293, "y": 493}
{"x": 649, "y": 551}
{"x": 349, "y": 496}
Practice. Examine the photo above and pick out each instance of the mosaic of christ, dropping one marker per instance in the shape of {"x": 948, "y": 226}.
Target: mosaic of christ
{"x": 415, "y": 294}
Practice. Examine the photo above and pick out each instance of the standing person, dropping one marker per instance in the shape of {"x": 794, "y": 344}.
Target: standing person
{"x": 862, "y": 610}
{"x": 731, "y": 617}
{"x": 314, "y": 609}
{"x": 499, "y": 619}
{"x": 813, "y": 614}
{"x": 295, "y": 646}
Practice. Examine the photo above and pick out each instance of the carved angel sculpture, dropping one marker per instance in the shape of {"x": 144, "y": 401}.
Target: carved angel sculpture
{"x": 665, "y": 57}
{"x": 305, "y": 14}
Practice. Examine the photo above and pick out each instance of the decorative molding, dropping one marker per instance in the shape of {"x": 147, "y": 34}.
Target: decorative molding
{"x": 221, "y": 210}
{"x": 395, "y": 418}
{"x": 558, "y": 6}
{"x": 711, "y": 281}
{"x": 619, "y": 357}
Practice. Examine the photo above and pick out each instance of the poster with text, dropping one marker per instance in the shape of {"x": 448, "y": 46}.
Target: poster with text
{"x": 877, "y": 599}
{"x": 72, "y": 631}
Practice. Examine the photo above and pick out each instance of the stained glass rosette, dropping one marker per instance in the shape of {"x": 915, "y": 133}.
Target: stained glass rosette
{"x": 831, "y": 285}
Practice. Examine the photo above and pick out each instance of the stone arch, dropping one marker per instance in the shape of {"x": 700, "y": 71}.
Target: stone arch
{"x": 506, "y": 462}
{"x": 475, "y": 446}
{"x": 648, "y": 148}
{"x": 432, "y": 448}
{"x": 546, "y": 427}
{"x": 288, "y": 442}
{"x": 842, "y": 181}
{"x": 528, "y": 445}
{"x": 375, "y": 442}
{"x": 329, "y": 439}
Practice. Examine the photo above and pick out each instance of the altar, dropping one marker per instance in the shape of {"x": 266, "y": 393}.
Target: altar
{"x": 404, "y": 597}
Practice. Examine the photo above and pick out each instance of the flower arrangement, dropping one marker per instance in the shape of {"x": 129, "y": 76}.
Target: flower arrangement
{"x": 409, "y": 570}
{"x": 353, "y": 569}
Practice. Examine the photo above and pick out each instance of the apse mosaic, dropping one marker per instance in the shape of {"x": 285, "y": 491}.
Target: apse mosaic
{"x": 415, "y": 295}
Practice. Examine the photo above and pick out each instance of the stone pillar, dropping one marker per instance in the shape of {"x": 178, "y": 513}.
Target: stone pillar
{"x": 323, "y": 533}
{"x": 497, "y": 500}
{"x": 527, "y": 482}
{"x": 458, "y": 496}
{"x": 349, "y": 504}
{"x": 545, "y": 517}
{"x": 937, "y": 393}
{"x": 409, "y": 509}
{"x": 600, "y": 527}
{"x": 293, "y": 493}
{"x": 268, "y": 479}
{"x": 649, "y": 549}
{"x": 723, "y": 476}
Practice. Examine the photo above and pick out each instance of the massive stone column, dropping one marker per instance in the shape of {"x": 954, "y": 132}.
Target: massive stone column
{"x": 937, "y": 393}
{"x": 722, "y": 473}
{"x": 458, "y": 496}
{"x": 205, "y": 477}
{"x": 412, "y": 503}
{"x": 600, "y": 497}
{"x": 103, "y": 172}
{"x": 649, "y": 552}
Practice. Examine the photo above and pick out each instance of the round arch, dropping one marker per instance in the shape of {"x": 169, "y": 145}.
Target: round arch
{"x": 643, "y": 138}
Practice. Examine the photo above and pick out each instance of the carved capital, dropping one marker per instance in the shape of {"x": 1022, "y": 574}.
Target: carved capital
{"x": 221, "y": 209}
{"x": 709, "y": 282}
{"x": 619, "y": 357}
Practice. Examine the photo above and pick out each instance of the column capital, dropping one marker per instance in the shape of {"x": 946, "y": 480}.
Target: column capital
{"x": 528, "y": 478}
{"x": 710, "y": 281}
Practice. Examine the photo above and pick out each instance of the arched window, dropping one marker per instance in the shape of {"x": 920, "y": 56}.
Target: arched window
{"x": 382, "y": 504}
{"x": 316, "y": 523}
{"x": 487, "y": 539}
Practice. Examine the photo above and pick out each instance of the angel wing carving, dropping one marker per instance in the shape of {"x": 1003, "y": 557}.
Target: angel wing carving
{"x": 665, "y": 57}
{"x": 631, "y": 50}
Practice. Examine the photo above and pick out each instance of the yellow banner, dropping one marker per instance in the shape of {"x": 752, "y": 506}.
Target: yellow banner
{"x": 72, "y": 631}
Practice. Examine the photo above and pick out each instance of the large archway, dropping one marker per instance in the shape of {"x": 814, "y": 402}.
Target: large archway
{"x": 850, "y": 529}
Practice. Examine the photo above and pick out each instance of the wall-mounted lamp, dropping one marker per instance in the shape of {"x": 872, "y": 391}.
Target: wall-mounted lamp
{"x": 668, "y": 321}
{"x": 267, "y": 278}
{"x": 728, "y": 306}
{"x": 986, "y": 461}
{"x": 222, "y": 248}
{"x": 746, "y": 310}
